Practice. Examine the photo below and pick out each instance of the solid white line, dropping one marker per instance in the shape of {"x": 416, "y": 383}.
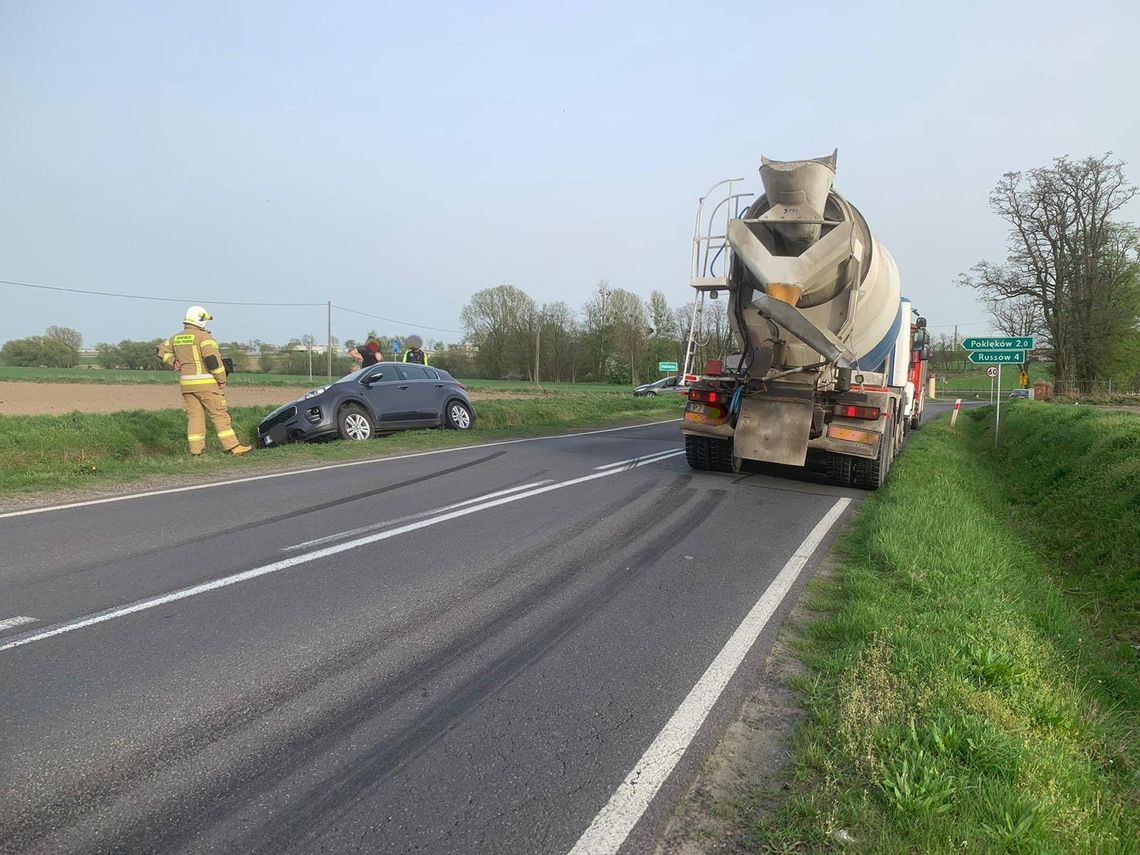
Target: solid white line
{"x": 310, "y": 470}
{"x": 284, "y": 563}
{"x": 19, "y": 620}
{"x": 366, "y": 528}
{"x": 626, "y": 806}
{"x": 659, "y": 455}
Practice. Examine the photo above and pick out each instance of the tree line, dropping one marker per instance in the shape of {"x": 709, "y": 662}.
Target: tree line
{"x": 1071, "y": 277}
{"x": 615, "y": 337}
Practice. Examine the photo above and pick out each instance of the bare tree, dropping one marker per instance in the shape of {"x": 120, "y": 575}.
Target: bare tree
{"x": 1069, "y": 259}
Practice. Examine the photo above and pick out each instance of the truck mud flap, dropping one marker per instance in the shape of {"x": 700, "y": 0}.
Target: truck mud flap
{"x": 773, "y": 431}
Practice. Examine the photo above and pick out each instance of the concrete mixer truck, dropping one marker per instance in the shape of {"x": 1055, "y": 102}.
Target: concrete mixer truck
{"x": 826, "y": 353}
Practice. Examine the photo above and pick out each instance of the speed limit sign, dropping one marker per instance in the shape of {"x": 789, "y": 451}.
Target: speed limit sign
{"x": 991, "y": 371}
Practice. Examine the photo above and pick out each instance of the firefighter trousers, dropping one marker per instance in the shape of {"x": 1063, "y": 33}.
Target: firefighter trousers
{"x": 199, "y": 403}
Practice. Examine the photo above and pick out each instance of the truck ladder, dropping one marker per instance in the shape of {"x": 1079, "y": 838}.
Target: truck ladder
{"x": 711, "y": 254}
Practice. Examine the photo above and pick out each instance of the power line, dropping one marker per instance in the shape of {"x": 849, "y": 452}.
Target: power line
{"x": 57, "y": 288}
{"x": 393, "y": 321}
{"x": 148, "y": 297}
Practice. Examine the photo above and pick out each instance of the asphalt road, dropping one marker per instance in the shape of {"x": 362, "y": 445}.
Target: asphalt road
{"x": 465, "y": 651}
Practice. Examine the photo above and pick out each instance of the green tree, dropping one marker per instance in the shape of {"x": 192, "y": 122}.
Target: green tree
{"x": 499, "y": 321}
{"x": 72, "y": 339}
{"x": 238, "y": 354}
{"x": 138, "y": 355}
{"x": 37, "y": 351}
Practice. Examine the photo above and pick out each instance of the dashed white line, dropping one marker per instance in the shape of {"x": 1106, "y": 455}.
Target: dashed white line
{"x": 18, "y": 620}
{"x": 293, "y": 561}
{"x": 649, "y": 458}
{"x": 626, "y": 806}
{"x": 374, "y": 526}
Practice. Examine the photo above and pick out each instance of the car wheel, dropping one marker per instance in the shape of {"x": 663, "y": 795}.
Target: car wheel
{"x": 354, "y": 423}
{"x": 458, "y": 416}
{"x": 651, "y": 394}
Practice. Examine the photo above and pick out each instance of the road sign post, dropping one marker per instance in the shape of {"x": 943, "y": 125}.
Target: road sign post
{"x": 996, "y": 352}
{"x": 997, "y": 412}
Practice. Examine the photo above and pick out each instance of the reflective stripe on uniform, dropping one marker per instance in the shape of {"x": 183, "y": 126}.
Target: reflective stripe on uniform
{"x": 201, "y": 382}
{"x": 208, "y": 341}
{"x": 197, "y": 376}
{"x": 223, "y": 434}
{"x": 195, "y": 436}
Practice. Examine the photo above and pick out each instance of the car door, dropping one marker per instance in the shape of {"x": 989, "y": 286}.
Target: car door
{"x": 381, "y": 390}
{"x": 422, "y": 389}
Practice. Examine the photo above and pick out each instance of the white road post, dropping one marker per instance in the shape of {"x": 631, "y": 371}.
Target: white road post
{"x": 997, "y": 412}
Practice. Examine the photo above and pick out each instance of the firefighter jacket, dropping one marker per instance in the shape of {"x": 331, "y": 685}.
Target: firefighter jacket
{"x": 197, "y": 356}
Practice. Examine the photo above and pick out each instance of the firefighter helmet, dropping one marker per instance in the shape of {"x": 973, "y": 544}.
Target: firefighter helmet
{"x": 198, "y": 316}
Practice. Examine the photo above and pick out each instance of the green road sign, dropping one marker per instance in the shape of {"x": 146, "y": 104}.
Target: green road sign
{"x": 993, "y": 357}
{"x": 666, "y": 366}
{"x": 1024, "y": 342}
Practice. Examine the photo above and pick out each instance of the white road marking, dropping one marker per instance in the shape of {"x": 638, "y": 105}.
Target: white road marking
{"x": 626, "y": 806}
{"x": 108, "y": 499}
{"x": 304, "y": 558}
{"x": 645, "y": 457}
{"x": 366, "y": 528}
{"x": 18, "y": 620}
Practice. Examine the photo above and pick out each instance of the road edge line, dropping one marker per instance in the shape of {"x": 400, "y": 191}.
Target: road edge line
{"x": 611, "y": 827}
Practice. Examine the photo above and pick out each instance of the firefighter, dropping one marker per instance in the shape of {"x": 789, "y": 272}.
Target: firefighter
{"x": 194, "y": 354}
{"x": 413, "y": 350}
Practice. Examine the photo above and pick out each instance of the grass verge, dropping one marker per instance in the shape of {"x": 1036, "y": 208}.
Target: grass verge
{"x": 244, "y": 378}
{"x": 975, "y": 684}
{"x": 88, "y": 449}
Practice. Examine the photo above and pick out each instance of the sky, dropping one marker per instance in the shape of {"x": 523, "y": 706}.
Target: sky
{"x": 396, "y": 157}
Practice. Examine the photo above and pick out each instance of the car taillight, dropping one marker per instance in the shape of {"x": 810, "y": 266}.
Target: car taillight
{"x": 853, "y": 411}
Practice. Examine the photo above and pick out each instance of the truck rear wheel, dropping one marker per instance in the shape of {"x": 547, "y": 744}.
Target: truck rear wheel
{"x": 721, "y": 452}
{"x": 870, "y": 474}
{"x": 709, "y": 455}
{"x": 839, "y": 469}
{"x": 697, "y": 452}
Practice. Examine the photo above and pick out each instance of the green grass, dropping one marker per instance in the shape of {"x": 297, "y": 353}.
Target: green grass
{"x": 116, "y": 375}
{"x": 976, "y": 380}
{"x": 122, "y": 375}
{"x": 85, "y": 449}
{"x": 973, "y": 684}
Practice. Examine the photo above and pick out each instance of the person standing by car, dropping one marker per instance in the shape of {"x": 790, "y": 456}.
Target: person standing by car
{"x": 195, "y": 355}
{"x": 413, "y": 351}
{"x": 368, "y": 354}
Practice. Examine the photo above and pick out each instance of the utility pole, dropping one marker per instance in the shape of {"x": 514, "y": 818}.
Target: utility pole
{"x": 537, "y": 349}
{"x": 328, "y": 355}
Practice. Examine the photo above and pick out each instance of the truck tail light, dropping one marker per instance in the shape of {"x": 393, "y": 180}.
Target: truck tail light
{"x": 853, "y": 411}
{"x": 704, "y": 396}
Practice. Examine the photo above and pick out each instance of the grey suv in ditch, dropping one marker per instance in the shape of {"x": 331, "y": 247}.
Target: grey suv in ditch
{"x": 379, "y": 399}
